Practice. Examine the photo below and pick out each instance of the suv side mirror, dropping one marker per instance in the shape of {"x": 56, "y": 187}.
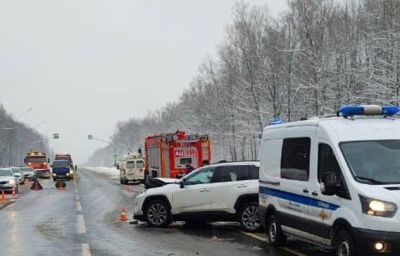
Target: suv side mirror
{"x": 330, "y": 183}
{"x": 117, "y": 166}
{"x": 182, "y": 183}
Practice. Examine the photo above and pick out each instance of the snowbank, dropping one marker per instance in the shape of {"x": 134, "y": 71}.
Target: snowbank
{"x": 112, "y": 172}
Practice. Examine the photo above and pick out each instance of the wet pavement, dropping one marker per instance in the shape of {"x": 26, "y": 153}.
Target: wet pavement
{"x": 84, "y": 220}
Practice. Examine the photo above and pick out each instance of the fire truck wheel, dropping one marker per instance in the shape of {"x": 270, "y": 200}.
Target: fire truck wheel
{"x": 157, "y": 213}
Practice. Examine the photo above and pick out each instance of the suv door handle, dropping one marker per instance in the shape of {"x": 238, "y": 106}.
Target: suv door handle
{"x": 242, "y": 186}
{"x": 204, "y": 190}
{"x": 314, "y": 193}
{"x": 305, "y": 191}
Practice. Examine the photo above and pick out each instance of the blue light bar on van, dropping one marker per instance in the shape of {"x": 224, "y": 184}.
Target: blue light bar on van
{"x": 368, "y": 110}
{"x": 276, "y": 120}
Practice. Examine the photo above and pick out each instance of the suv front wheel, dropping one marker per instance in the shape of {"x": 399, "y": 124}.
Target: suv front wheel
{"x": 157, "y": 213}
{"x": 249, "y": 218}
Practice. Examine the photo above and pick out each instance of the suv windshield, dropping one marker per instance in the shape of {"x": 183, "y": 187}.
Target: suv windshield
{"x": 6, "y": 172}
{"x": 373, "y": 162}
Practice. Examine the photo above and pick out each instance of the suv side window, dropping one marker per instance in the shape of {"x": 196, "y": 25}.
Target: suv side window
{"x": 247, "y": 172}
{"x": 327, "y": 162}
{"x": 201, "y": 177}
{"x": 225, "y": 174}
{"x": 295, "y": 159}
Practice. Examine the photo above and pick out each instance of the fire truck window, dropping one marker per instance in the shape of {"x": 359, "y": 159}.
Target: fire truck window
{"x": 36, "y": 160}
{"x": 201, "y": 177}
{"x": 185, "y": 161}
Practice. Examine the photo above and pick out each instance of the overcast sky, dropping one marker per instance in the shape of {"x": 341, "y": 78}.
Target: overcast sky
{"x": 84, "y": 65}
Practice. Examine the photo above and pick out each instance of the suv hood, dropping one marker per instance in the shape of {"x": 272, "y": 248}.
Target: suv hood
{"x": 159, "y": 182}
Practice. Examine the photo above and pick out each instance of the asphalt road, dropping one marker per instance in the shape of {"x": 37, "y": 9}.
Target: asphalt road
{"x": 84, "y": 220}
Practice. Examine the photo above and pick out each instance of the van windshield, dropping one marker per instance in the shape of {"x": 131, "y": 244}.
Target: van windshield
{"x": 373, "y": 162}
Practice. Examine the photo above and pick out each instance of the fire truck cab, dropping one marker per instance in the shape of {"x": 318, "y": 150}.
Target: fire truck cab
{"x": 39, "y": 162}
{"x": 167, "y": 155}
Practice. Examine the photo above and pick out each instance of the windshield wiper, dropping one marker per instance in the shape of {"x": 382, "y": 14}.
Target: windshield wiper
{"x": 371, "y": 180}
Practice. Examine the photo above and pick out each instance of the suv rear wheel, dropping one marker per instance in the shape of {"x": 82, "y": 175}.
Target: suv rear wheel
{"x": 157, "y": 213}
{"x": 274, "y": 231}
{"x": 249, "y": 218}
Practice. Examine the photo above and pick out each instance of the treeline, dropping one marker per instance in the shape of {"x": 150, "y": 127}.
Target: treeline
{"x": 315, "y": 57}
{"x": 16, "y": 139}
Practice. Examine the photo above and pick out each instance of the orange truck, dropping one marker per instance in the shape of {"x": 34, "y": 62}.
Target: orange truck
{"x": 167, "y": 155}
{"x": 39, "y": 162}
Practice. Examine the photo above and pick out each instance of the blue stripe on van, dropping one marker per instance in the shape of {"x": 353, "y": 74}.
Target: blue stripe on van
{"x": 298, "y": 198}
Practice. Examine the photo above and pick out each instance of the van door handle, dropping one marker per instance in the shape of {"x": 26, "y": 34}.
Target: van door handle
{"x": 242, "y": 186}
{"x": 305, "y": 191}
{"x": 204, "y": 190}
{"x": 314, "y": 193}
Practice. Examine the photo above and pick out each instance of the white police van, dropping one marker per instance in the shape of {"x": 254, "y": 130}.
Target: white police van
{"x": 334, "y": 181}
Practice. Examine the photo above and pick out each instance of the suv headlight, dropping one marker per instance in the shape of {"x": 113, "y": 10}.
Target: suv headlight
{"x": 375, "y": 207}
{"x": 12, "y": 182}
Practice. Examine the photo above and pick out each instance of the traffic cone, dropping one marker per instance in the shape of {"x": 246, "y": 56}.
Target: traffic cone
{"x": 13, "y": 194}
{"x": 123, "y": 216}
{"x": 3, "y": 197}
{"x": 36, "y": 186}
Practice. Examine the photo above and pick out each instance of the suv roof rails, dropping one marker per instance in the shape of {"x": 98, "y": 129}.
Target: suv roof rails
{"x": 239, "y": 161}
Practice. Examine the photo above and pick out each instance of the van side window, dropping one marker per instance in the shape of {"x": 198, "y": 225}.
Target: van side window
{"x": 295, "y": 160}
{"x": 327, "y": 162}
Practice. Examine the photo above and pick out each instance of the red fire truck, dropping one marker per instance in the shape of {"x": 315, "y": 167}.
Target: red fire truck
{"x": 168, "y": 154}
{"x": 38, "y": 161}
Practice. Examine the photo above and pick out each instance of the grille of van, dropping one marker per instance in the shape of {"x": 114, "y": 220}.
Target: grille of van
{"x": 393, "y": 188}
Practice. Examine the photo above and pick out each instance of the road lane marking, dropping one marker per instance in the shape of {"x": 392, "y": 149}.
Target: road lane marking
{"x": 81, "y": 224}
{"x": 265, "y": 240}
{"x": 293, "y": 251}
{"x": 85, "y": 249}
{"x": 78, "y": 206}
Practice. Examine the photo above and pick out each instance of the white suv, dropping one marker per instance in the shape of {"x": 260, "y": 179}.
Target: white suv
{"x": 218, "y": 192}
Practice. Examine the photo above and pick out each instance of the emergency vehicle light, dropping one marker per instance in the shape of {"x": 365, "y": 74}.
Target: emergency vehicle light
{"x": 367, "y": 110}
{"x": 276, "y": 120}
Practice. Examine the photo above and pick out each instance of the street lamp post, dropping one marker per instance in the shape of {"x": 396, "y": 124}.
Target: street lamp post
{"x": 16, "y": 133}
{"x": 91, "y": 137}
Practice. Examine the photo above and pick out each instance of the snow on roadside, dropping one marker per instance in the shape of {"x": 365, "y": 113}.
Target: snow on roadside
{"x": 112, "y": 172}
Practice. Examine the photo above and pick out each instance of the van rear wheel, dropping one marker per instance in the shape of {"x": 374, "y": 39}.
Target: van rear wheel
{"x": 274, "y": 231}
{"x": 344, "y": 245}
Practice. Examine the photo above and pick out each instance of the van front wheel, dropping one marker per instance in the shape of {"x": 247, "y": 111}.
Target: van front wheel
{"x": 344, "y": 245}
{"x": 274, "y": 231}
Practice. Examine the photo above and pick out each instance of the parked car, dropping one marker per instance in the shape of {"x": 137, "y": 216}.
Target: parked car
{"x": 18, "y": 174}
{"x": 61, "y": 170}
{"x": 28, "y": 173}
{"x": 334, "y": 181}
{"x": 217, "y": 192}
{"x": 8, "y": 182}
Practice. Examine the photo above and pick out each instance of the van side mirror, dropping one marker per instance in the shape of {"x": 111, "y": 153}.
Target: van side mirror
{"x": 330, "y": 183}
{"x": 117, "y": 166}
{"x": 182, "y": 183}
